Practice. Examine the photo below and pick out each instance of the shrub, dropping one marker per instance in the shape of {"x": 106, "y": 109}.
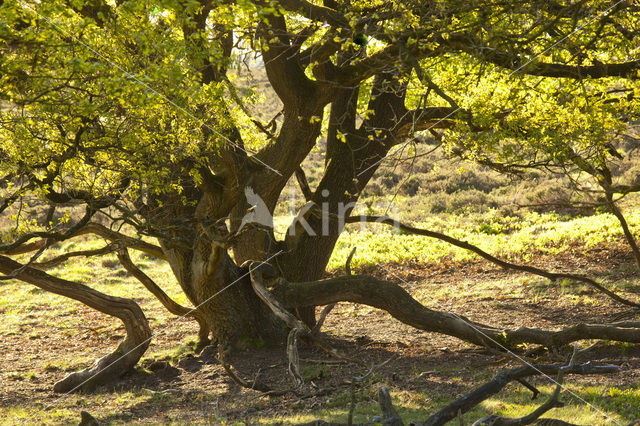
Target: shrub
{"x": 410, "y": 186}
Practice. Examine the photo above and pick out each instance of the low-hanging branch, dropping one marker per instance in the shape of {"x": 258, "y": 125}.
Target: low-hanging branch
{"x": 301, "y": 329}
{"x": 130, "y": 242}
{"x": 129, "y": 351}
{"x": 170, "y": 304}
{"x": 553, "y": 276}
{"x": 24, "y": 245}
{"x": 48, "y": 236}
{"x": 393, "y": 299}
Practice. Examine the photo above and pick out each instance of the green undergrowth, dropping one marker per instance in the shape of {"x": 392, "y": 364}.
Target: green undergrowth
{"x": 508, "y": 237}
{"x": 28, "y": 311}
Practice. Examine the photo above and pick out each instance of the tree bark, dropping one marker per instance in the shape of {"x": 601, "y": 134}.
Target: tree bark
{"x": 398, "y": 303}
{"x": 350, "y": 166}
{"x": 222, "y": 291}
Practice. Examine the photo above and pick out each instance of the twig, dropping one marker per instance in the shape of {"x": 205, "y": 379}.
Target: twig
{"x": 304, "y": 184}
{"x": 347, "y": 265}
{"x": 109, "y": 248}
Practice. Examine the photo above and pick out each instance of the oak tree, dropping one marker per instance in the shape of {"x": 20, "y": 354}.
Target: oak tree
{"x": 131, "y": 120}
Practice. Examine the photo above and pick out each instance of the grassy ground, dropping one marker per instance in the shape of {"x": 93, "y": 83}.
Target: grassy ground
{"x": 44, "y": 337}
{"x": 517, "y": 238}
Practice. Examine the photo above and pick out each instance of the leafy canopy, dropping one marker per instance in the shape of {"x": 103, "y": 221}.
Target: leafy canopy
{"x": 105, "y": 102}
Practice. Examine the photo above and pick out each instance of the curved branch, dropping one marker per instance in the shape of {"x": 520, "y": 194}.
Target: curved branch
{"x": 129, "y": 350}
{"x": 631, "y": 240}
{"x": 625, "y": 69}
{"x": 171, "y": 305}
{"x": 24, "y": 246}
{"x": 27, "y": 247}
{"x": 304, "y": 184}
{"x": 18, "y": 245}
{"x": 130, "y": 242}
{"x": 393, "y": 299}
{"x": 283, "y": 69}
{"x": 66, "y": 256}
{"x": 470, "y": 44}
{"x": 507, "y": 265}
{"x": 551, "y": 403}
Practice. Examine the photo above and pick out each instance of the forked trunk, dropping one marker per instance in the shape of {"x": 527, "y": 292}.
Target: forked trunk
{"x": 222, "y": 291}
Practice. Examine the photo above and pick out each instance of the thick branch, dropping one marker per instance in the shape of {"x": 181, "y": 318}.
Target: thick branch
{"x": 130, "y": 349}
{"x": 281, "y": 64}
{"x": 398, "y": 303}
{"x": 27, "y": 247}
{"x": 316, "y": 12}
{"x": 468, "y": 43}
{"x": 624, "y": 69}
{"x": 376, "y": 63}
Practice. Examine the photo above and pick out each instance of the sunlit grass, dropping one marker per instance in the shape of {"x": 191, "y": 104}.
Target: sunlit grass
{"x": 521, "y": 238}
{"x": 584, "y": 404}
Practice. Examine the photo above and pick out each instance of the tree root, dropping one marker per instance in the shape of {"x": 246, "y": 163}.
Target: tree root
{"x": 107, "y": 368}
{"x": 298, "y": 329}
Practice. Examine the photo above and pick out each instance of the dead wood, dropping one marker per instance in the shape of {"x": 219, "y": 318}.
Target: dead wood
{"x": 472, "y": 399}
{"x": 494, "y": 386}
